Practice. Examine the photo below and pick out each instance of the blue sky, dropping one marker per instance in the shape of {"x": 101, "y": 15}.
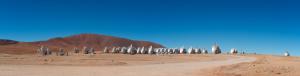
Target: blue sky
{"x": 262, "y": 26}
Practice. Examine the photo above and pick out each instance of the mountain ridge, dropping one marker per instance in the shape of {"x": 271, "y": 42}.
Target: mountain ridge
{"x": 97, "y": 41}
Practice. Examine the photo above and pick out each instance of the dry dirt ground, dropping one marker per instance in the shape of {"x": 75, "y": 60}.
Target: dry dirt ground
{"x": 114, "y": 65}
{"x": 265, "y": 65}
{"x": 149, "y": 65}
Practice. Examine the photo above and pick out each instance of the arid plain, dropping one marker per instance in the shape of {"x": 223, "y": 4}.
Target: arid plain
{"x": 148, "y": 65}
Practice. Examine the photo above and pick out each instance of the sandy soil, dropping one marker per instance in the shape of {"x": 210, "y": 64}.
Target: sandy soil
{"x": 105, "y": 59}
{"x": 149, "y": 65}
{"x": 264, "y": 66}
{"x": 114, "y": 65}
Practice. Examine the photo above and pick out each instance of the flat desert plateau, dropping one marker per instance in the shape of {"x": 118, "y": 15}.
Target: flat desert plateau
{"x": 149, "y": 65}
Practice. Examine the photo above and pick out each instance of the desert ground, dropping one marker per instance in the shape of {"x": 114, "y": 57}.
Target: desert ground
{"x": 265, "y": 65}
{"x": 148, "y": 65}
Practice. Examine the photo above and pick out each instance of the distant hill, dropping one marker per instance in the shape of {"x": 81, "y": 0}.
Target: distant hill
{"x": 90, "y": 40}
{"x": 7, "y": 42}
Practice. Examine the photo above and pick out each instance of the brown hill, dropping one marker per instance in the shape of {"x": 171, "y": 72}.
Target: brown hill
{"x": 7, "y": 42}
{"x": 90, "y": 40}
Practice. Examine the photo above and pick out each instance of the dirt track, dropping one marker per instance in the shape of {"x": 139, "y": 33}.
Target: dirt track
{"x": 163, "y": 69}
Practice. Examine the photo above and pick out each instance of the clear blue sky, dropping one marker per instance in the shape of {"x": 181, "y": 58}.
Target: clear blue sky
{"x": 264, "y": 26}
